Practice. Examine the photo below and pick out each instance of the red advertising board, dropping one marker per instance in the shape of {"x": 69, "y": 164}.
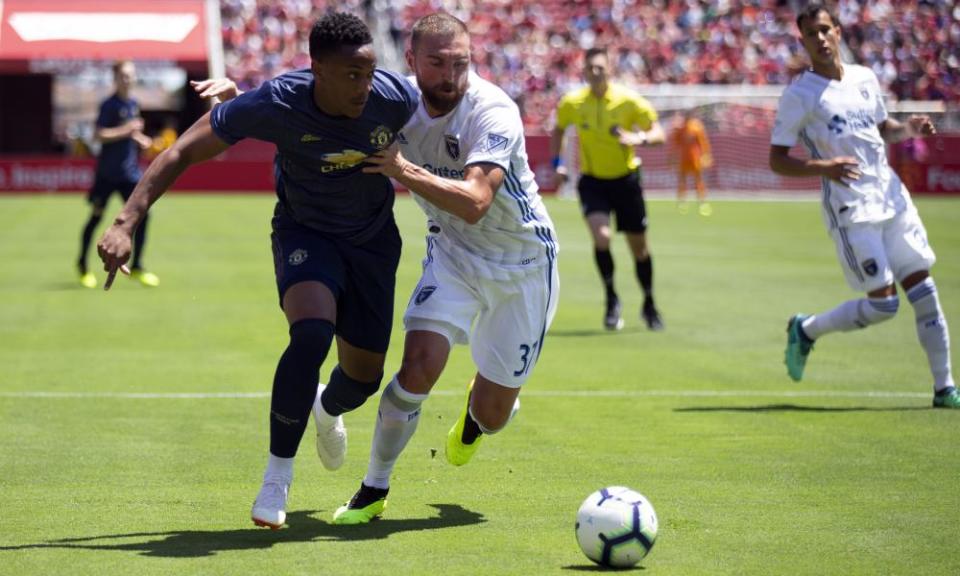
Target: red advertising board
{"x": 248, "y": 167}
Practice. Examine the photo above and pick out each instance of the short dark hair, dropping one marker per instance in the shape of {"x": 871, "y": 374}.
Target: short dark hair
{"x": 591, "y": 52}
{"x": 436, "y": 24}
{"x": 337, "y": 29}
{"x": 811, "y": 10}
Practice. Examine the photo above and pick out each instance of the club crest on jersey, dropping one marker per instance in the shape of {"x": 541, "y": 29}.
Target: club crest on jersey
{"x": 496, "y": 142}
{"x": 870, "y": 267}
{"x": 423, "y": 294}
{"x": 297, "y": 257}
{"x": 381, "y": 137}
{"x": 453, "y": 146}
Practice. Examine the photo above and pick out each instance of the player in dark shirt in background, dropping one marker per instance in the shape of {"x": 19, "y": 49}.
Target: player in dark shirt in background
{"x": 120, "y": 130}
{"x": 336, "y": 246}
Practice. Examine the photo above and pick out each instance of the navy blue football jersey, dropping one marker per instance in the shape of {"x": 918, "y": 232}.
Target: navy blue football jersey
{"x": 319, "y": 157}
{"x": 118, "y": 161}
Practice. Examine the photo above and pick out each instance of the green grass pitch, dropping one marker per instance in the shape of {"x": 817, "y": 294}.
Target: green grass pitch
{"x": 105, "y": 471}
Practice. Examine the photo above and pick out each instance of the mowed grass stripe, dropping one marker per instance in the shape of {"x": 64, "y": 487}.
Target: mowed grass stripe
{"x": 531, "y": 393}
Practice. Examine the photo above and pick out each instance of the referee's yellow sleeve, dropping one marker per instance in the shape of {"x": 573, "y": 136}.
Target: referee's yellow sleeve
{"x": 645, "y": 114}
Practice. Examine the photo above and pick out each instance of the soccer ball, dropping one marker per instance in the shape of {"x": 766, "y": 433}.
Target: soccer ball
{"x": 616, "y": 527}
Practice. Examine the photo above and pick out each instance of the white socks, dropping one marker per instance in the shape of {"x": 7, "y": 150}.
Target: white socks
{"x": 932, "y": 331}
{"x": 851, "y": 315}
{"x": 931, "y": 325}
{"x": 397, "y": 419}
{"x": 282, "y": 467}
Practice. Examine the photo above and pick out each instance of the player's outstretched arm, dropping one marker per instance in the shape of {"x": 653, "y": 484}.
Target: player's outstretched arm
{"x": 894, "y": 131}
{"x": 197, "y": 144}
{"x": 844, "y": 169}
{"x": 468, "y": 199}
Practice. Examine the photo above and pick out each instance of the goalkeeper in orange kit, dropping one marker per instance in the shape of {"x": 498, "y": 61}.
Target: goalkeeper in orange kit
{"x": 693, "y": 150}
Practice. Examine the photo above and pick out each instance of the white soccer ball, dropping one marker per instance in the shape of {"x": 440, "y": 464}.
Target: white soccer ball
{"x": 616, "y": 527}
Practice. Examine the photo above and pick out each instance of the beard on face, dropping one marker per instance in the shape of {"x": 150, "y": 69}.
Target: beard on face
{"x": 443, "y": 98}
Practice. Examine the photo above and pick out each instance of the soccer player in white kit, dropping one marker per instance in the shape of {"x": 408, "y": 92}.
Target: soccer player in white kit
{"x": 489, "y": 275}
{"x": 837, "y": 111}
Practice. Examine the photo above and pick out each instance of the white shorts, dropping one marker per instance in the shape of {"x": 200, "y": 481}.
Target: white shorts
{"x": 504, "y": 322}
{"x": 876, "y": 254}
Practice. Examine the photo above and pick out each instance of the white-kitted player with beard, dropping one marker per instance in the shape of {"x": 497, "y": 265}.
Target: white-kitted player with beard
{"x": 490, "y": 273}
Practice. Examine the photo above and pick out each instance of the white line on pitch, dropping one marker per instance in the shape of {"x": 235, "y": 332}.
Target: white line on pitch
{"x": 526, "y": 394}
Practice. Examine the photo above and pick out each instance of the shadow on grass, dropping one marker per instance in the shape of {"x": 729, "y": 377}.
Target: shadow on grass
{"x": 796, "y": 408}
{"x": 599, "y": 568}
{"x": 595, "y": 332}
{"x": 67, "y": 286}
{"x": 301, "y": 527}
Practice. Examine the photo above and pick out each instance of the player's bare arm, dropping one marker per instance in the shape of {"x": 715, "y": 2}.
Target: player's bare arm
{"x": 556, "y": 149}
{"x": 844, "y": 169}
{"x": 468, "y": 199}
{"x": 894, "y": 131}
{"x": 216, "y": 89}
{"x": 197, "y": 144}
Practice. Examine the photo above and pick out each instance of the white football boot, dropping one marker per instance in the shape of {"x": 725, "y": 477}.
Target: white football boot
{"x": 269, "y": 509}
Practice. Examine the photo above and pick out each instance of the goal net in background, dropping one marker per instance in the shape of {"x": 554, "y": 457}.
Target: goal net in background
{"x": 738, "y": 121}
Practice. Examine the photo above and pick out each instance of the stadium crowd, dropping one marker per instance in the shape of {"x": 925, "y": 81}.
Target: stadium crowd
{"x": 531, "y": 48}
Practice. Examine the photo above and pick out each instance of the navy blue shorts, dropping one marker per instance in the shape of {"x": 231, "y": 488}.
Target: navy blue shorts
{"x": 622, "y": 196}
{"x": 103, "y": 188}
{"x": 362, "y": 277}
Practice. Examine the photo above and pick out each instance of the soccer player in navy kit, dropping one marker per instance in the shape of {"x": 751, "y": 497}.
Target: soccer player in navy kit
{"x": 120, "y": 130}
{"x": 335, "y": 243}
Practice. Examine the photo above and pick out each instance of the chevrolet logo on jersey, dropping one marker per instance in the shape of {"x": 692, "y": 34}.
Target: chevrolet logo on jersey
{"x": 310, "y": 138}
{"x": 342, "y": 160}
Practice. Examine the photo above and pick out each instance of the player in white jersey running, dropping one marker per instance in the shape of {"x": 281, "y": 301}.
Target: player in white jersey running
{"x": 489, "y": 275}
{"x": 837, "y": 111}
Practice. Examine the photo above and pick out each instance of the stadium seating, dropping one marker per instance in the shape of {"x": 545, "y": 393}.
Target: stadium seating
{"x": 532, "y": 49}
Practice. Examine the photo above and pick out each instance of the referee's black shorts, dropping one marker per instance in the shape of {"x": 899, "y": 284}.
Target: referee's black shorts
{"x": 622, "y": 196}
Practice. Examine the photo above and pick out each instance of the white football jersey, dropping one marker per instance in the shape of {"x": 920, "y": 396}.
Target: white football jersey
{"x": 516, "y": 235}
{"x": 841, "y": 118}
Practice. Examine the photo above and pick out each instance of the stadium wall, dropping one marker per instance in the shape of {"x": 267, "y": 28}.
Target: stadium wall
{"x": 741, "y": 166}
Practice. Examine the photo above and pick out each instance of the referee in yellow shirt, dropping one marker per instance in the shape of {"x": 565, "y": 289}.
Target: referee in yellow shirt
{"x": 610, "y": 121}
